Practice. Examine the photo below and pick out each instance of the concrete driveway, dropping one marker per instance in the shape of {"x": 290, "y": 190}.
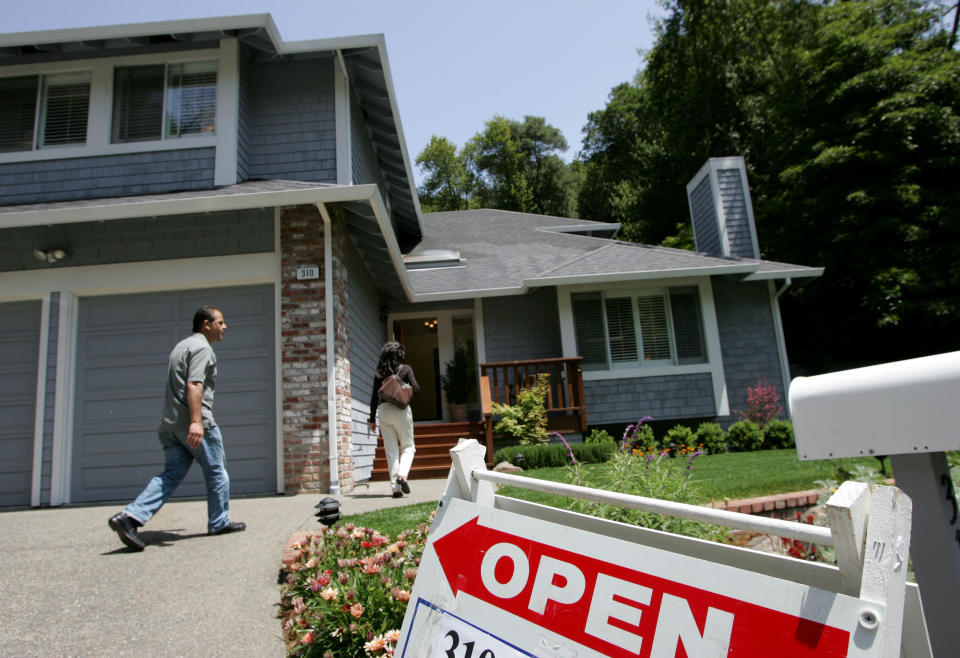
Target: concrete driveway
{"x": 70, "y": 588}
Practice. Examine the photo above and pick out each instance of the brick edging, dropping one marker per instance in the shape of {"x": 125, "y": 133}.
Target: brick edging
{"x": 772, "y": 503}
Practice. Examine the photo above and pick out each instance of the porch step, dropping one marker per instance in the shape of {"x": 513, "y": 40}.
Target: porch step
{"x": 433, "y": 442}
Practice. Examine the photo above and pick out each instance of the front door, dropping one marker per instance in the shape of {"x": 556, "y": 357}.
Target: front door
{"x": 430, "y": 341}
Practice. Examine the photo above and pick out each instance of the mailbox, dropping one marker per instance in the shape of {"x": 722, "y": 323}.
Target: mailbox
{"x": 896, "y": 408}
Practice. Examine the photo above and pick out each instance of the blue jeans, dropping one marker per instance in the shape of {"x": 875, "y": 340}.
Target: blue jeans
{"x": 177, "y": 458}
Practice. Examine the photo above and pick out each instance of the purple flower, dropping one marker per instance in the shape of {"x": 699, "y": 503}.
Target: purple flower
{"x": 573, "y": 460}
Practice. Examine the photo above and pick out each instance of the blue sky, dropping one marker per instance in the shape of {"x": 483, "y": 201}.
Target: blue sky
{"x": 455, "y": 64}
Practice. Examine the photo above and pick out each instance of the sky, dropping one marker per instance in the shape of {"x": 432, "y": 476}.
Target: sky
{"x": 455, "y": 64}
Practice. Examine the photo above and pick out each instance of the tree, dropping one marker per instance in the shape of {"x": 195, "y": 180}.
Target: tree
{"x": 509, "y": 165}
{"x": 846, "y": 113}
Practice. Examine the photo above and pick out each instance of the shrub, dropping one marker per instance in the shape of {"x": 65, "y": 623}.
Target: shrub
{"x": 778, "y": 434}
{"x": 677, "y": 438}
{"x": 555, "y": 454}
{"x": 712, "y": 437}
{"x": 526, "y": 421}
{"x": 598, "y": 436}
{"x": 763, "y": 403}
{"x": 347, "y": 591}
{"x": 744, "y": 435}
{"x": 639, "y": 437}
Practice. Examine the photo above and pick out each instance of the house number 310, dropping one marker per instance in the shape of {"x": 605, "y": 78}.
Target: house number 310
{"x": 468, "y": 648}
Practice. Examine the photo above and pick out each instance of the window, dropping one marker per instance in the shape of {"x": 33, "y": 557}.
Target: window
{"x": 164, "y": 101}
{"x": 637, "y": 329}
{"x": 56, "y": 116}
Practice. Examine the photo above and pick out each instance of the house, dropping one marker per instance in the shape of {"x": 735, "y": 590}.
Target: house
{"x": 148, "y": 169}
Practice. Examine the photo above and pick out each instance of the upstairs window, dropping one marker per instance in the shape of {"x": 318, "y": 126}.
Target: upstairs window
{"x": 164, "y": 101}
{"x": 638, "y": 329}
{"x": 44, "y": 111}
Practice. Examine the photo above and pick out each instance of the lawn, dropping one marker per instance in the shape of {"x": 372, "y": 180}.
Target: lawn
{"x": 716, "y": 477}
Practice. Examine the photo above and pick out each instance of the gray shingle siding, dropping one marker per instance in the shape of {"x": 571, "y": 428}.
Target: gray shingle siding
{"x": 522, "y": 326}
{"x": 290, "y": 125}
{"x": 69, "y": 179}
{"x": 367, "y": 335}
{"x": 739, "y": 238}
{"x": 748, "y": 338}
{"x": 243, "y": 101}
{"x": 132, "y": 240}
{"x": 612, "y": 401}
{"x": 704, "y": 216}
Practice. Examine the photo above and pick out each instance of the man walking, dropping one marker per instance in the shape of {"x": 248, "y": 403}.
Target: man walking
{"x": 187, "y": 432}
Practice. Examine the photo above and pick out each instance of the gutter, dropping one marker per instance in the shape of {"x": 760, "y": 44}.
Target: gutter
{"x": 329, "y": 335}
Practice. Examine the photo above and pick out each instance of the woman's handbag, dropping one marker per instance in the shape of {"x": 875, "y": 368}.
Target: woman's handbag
{"x": 396, "y": 392}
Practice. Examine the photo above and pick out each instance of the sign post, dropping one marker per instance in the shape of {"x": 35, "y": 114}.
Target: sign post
{"x": 905, "y": 410}
{"x": 503, "y": 578}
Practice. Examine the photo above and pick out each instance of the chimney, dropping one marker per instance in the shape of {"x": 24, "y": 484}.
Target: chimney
{"x": 721, "y": 209}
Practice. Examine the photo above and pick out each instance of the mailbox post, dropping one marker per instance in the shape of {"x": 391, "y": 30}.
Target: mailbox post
{"x": 907, "y": 410}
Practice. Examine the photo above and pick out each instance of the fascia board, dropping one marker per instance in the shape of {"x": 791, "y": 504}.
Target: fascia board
{"x": 577, "y": 228}
{"x": 469, "y": 294}
{"x": 131, "y": 30}
{"x": 383, "y": 221}
{"x": 809, "y": 272}
{"x": 639, "y": 276}
{"x": 155, "y": 208}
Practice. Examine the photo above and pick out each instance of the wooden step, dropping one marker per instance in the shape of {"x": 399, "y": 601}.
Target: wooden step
{"x": 433, "y": 442}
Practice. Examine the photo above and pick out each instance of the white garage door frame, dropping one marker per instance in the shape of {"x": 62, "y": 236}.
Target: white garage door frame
{"x": 156, "y": 276}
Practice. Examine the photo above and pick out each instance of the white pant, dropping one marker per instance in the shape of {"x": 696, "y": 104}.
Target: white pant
{"x": 396, "y": 428}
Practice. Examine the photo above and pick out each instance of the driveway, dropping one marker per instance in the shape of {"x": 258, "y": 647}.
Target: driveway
{"x": 70, "y": 588}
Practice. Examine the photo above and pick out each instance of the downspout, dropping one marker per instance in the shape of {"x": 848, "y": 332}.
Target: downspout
{"x": 781, "y": 340}
{"x": 330, "y": 334}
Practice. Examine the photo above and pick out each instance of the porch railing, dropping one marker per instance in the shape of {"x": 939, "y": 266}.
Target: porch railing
{"x": 501, "y": 381}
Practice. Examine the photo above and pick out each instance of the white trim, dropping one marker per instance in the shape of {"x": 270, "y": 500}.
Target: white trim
{"x": 60, "y": 476}
{"x": 640, "y": 275}
{"x": 330, "y": 327}
{"x": 40, "y": 401}
{"x": 278, "y": 352}
{"x": 580, "y": 228}
{"x": 344, "y": 125}
{"x": 101, "y": 107}
{"x": 797, "y": 273}
{"x": 386, "y": 230}
{"x": 478, "y": 330}
{"x": 711, "y": 336}
{"x": 228, "y": 112}
{"x": 75, "y": 212}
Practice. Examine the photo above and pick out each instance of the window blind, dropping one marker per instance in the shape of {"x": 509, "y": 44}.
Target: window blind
{"x": 654, "y": 334}
{"x": 620, "y": 329}
{"x": 588, "y": 329}
{"x": 66, "y": 104}
{"x": 18, "y": 109}
{"x": 138, "y": 103}
{"x": 685, "y": 307}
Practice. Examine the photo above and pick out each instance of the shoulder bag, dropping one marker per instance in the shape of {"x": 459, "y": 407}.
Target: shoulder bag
{"x": 396, "y": 392}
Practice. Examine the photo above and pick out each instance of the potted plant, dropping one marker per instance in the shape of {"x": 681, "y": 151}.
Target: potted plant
{"x": 458, "y": 384}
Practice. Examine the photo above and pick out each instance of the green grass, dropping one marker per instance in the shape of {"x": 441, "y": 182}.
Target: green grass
{"x": 717, "y": 477}
{"x": 726, "y": 476}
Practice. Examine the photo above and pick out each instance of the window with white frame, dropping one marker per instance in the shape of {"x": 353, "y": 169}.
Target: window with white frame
{"x": 164, "y": 101}
{"x": 44, "y": 111}
{"x": 619, "y": 329}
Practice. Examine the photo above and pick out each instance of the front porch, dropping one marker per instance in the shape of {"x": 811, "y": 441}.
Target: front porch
{"x": 499, "y": 382}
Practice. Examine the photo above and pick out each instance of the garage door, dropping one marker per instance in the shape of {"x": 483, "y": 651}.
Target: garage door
{"x": 19, "y": 346}
{"x": 122, "y": 349}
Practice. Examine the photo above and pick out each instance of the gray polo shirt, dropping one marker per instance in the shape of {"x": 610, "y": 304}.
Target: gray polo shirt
{"x": 191, "y": 360}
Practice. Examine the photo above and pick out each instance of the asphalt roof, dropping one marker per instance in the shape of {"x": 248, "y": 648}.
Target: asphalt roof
{"x": 507, "y": 252}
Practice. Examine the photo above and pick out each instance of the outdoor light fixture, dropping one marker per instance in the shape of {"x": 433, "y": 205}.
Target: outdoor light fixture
{"x": 430, "y": 324}
{"x": 50, "y": 255}
{"x": 329, "y": 511}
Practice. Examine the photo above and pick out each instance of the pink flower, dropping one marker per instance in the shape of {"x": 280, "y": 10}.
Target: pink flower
{"x": 356, "y": 610}
{"x": 329, "y": 594}
{"x": 400, "y": 594}
{"x": 307, "y": 639}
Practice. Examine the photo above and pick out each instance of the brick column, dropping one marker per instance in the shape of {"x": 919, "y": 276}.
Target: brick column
{"x": 342, "y": 347}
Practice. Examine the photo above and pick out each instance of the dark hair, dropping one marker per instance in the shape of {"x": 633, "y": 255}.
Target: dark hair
{"x": 391, "y": 358}
{"x": 204, "y": 314}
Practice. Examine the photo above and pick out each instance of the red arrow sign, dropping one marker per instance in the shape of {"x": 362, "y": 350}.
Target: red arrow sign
{"x": 620, "y": 611}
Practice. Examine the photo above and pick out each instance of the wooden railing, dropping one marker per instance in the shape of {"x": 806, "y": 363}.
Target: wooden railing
{"x": 501, "y": 381}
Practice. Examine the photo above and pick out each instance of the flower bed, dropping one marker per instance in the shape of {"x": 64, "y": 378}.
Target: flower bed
{"x": 345, "y": 591}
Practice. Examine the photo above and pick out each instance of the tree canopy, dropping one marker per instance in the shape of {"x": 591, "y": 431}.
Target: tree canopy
{"x": 509, "y": 165}
{"x": 846, "y": 113}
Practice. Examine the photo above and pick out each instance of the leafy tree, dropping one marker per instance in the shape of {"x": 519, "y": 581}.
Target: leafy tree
{"x": 509, "y": 165}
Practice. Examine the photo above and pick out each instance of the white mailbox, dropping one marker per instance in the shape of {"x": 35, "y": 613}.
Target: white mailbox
{"x": 891, "y": 409}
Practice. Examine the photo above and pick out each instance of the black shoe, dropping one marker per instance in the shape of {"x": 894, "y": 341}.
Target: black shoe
{"x": 233, "y": 526}
{"x": 398, "y": 494}
{"x": 126, "y": 529}
{"x": 402, "y": 481}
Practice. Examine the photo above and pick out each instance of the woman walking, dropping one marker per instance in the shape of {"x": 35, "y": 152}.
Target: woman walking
{"x": 396, "y": 423}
